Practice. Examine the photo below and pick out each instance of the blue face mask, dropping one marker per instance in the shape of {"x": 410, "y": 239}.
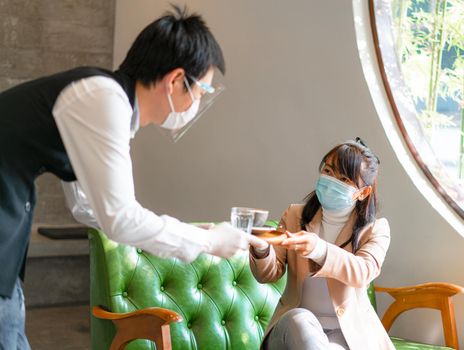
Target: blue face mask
{"x": 333, "y": 194}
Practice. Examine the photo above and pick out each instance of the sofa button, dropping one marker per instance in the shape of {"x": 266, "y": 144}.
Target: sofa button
{"x": 189, "y": 325}
{"x": 200, "y": 286}
{"x": 223, "y": 322}
{"x": 162, "y": 288}
{"x": 139, "y": 251}
{"x": 234, "y": 283}
{"x": 124, "y": 294}
{"x": 340, "y": 311}
{"x": 256, "y": 318}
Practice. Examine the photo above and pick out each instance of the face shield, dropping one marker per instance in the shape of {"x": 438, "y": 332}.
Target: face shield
{"x": 177, "y": 123}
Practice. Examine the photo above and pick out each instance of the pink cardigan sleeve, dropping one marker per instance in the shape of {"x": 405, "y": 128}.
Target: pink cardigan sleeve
{"x": 359, "y": 269}
{"x": 273, "y": 266}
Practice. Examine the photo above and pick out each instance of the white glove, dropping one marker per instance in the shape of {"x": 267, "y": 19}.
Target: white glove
{"x": 226, "y": 240}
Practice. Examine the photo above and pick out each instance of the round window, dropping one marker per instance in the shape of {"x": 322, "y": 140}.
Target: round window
{"x": 420, "y": 47}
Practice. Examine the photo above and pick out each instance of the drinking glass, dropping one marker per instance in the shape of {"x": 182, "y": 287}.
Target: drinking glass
{"x": 242, "y": 218}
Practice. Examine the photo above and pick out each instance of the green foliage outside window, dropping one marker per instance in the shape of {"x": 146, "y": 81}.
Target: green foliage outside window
{"x": 429, "y": 40}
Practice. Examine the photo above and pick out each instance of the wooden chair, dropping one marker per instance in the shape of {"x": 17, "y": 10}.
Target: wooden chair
{"x": 150, "y": 323}
{"x": 428, "y": 295}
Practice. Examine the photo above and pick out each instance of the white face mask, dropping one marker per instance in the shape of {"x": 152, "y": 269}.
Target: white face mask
{"x": 177, "y": 120}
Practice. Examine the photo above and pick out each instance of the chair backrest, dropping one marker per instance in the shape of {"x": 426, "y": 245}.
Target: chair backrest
{"x": 223, "y": 306}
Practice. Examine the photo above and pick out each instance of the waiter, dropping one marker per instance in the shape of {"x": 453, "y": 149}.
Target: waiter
{"x": 78, "y": 124}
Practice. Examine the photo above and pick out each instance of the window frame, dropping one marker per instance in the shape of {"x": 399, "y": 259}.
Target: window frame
{"x": 383, "y": 51}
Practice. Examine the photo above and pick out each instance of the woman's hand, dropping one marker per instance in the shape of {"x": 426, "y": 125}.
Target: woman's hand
{"x": 260, "y": 248}
{"x": 302, "y": 242}
{"x": 257, "y": 244}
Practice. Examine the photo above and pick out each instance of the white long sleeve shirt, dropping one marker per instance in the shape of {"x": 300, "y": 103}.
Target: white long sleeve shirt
{"x": 96, "y": 122}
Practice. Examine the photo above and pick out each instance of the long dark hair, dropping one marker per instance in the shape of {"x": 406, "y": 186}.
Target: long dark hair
{"x": 357, "y": 162}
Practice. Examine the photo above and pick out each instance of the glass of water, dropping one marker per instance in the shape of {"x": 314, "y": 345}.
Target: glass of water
{"x": 242, "y": 218}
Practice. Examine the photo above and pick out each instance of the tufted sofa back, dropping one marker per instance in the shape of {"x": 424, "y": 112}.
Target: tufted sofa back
{"x": 222, "y": 305}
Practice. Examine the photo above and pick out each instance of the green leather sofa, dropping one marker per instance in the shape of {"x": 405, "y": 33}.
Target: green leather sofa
{"x": 221, "y": 306}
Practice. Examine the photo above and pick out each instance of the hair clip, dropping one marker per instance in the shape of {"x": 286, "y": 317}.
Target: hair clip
{"x": 360, "y": 141}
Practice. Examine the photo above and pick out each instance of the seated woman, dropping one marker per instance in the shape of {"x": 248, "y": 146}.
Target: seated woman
{"x": 333, "y": 247}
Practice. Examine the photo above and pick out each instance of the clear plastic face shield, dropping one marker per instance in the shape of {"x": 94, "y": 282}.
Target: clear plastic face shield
{"x": 202, "y": 95}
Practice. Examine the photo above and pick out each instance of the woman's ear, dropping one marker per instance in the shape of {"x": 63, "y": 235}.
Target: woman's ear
{"x": 363, "y": 193}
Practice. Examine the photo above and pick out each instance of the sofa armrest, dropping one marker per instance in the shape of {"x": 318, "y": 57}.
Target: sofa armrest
{"x": 150, "y": 323}
{"x": 167, "y": 315}
{"x": 428, "y": 295}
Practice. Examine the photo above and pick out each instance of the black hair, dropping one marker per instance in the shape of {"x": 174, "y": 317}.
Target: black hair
{"x": 176, "y": 40}
{"x": 357, "y": 162}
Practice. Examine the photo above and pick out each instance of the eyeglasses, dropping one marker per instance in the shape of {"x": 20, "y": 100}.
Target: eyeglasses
{"x": 208, "y": 88}
{"x": 206, "y": 101}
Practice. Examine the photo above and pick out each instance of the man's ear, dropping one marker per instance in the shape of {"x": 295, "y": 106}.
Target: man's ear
{"x": 363, "y": 193}
{"x": 172, "y": 78}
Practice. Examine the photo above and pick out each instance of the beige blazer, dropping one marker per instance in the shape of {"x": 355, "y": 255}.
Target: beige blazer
{"x": 347, "y": 275}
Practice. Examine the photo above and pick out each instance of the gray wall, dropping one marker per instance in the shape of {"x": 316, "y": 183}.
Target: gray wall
{"x": 40, "y": 37}
{"x": 295, "y": 87}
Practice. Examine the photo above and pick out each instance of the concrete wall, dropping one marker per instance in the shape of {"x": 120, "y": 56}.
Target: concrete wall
{"x": 295, "y": 87}
{"x": 40, "y": 37}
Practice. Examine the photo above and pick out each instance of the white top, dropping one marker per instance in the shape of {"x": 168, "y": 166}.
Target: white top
{"x": 96, "y": 122}
{"x": 315, "y": 295}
